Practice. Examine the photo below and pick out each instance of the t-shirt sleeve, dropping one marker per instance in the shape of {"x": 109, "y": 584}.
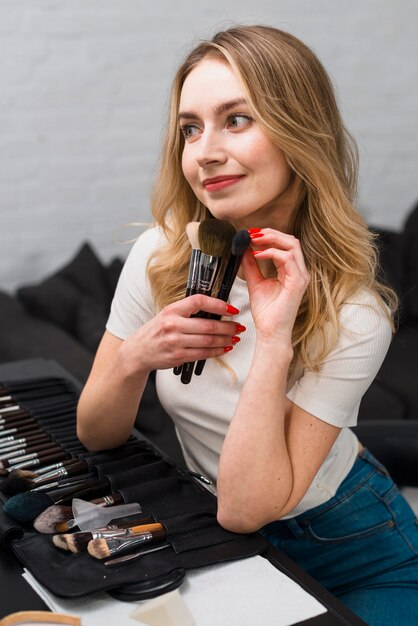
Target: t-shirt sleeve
{"x": 133, "y": 304}
{"x": 333, "y": 394}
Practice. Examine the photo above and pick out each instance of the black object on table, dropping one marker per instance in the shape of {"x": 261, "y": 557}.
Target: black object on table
{"x": 17, "y": 595}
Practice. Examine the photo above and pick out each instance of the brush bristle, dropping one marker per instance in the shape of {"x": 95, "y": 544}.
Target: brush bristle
{"x": 98, "y": 548}
{"x": 78, "y": 542}
{"x": 24, "y": 507}
{"x": 23, "y": 473}
{"x": 60, "y": 541}
{"x": 48, "y": 520}
{"x": 215, "y": 237}
{"x": 240, "y": 242}
{"x": 65, "y": 526}
{"x": 16, "y": 484}
{"x": 192, "y": 232}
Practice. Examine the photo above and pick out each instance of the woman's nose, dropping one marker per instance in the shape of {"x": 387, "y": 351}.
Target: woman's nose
{"x": 211, "y": 149}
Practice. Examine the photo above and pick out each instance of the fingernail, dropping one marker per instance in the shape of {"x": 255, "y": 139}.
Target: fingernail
{"x": 256, "y": 235}
{"x": 235, "y": 340}
{"x": 253, "y": 230}
{"x": 228, "y": 348}
{"x": 256, "y": 251}
{"x": 231, "y": 309}
{"x": 239, "y": 328}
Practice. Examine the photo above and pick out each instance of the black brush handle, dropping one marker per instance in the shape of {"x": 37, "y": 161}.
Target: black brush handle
{"x": 187, "y": 371}
{"x": 190, "y": 288}
{"x": 228, "y": 278}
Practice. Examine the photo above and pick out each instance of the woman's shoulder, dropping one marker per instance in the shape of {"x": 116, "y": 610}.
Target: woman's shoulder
{"x": 145, "y": 244}
{"x": 366, "y": 313}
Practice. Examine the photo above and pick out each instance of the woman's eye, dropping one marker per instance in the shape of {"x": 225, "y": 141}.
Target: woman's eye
{"x": 239, "y": 121}
{"x": 189, "y": 130}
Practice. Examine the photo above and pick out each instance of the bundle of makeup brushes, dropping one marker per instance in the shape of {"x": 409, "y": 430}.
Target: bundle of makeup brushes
{"x": 33, "y": 493}
{"x": 37, "y": 423}
{"x": 215, "y": 246}
{"x": 120, "y": 536}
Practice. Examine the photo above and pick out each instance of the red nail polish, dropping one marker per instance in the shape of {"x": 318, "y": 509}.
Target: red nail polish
{"x": 235, "y": 340}
{"x": 253, "y": 230}
{"x": 231, "y": 309}
{"x": 228, "y": 348}
{"x": 256, "y": 252}
{"x": 256, "y": 235}
{"x": 239, "y": 328}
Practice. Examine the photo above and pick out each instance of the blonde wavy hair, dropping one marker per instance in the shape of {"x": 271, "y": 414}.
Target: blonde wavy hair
{"x": 292, "y": 98}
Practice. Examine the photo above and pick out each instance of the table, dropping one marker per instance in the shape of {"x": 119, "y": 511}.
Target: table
{"x": 16, "y": 595}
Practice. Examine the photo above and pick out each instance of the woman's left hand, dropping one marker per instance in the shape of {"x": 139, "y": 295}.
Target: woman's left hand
{"x": 275, "y": 301}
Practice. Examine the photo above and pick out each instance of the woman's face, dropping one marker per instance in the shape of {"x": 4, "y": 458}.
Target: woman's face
{"x": 232, "y": 166}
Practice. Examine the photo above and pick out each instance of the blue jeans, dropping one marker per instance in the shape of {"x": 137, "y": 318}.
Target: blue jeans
{"x": 362, "y": 545}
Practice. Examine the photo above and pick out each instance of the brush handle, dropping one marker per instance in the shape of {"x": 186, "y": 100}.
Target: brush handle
{"x": 38, "y": 447}
{"x": 52, "y": 466}
{"x": 23, "y": 442}
{"x": 16, "y": 423}
{"x": 40, "y": 461}
{"x": 64, "y": 471}
{"x": 36, "y": 455}
{"x": 6, "y": 440}
{"x": 128, "y": 531}
{"x": 135, "y": 555}
{"x": 190, "y": 287}
{"x": 90, "y": 488}
{"x": 112, "y": 499}
{"x": 187, "y": 369}
{"x": 25, "y": 429}
{"x": 228, "y": 278}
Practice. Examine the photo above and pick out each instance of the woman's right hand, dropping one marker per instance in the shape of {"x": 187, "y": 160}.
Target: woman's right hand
{"x": 174, "y": 337}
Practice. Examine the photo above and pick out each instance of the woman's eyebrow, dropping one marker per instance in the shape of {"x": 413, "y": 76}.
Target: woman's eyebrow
{"x": 223, "y": 107}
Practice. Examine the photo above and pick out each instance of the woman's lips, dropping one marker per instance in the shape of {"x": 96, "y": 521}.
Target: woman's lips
{"x": 220, "y": 182}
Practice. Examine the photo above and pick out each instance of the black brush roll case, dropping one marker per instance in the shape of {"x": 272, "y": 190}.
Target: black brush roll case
{"x": 169, "y": 493}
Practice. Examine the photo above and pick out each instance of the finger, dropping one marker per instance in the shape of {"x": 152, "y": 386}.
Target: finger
{"x": 267, "y": 236}
{"x": 205, "y": 326}
{"x": 282, "y": 241}
{"x": 198, "y": 302}
{"x": 284, "y": 261}
{"x": 251, "y": 270}
{"x": 196, "y": 354}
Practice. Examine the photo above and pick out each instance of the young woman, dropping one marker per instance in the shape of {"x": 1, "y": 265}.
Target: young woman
{"x": 255, "y": 139}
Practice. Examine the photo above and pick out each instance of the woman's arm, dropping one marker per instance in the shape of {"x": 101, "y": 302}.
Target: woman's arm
{"x": 273, "y": 448}
{"x": 109, "y": 402}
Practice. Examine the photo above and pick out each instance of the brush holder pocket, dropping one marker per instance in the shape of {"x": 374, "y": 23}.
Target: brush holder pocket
{"x": 138, "y": 473}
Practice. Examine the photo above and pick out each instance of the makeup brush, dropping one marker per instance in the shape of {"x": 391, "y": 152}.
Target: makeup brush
{"x": 23, "y": 443}
{"x": 135, "y": 555}
{"x": 15, "y": 454}
{"x": 69, "y": 523}
{"x": 55, "y": 514}
{"x": 239, "y": 245}
{"x": 34, "y": 459}
{"x": 18, "y": 484}
{"x": 78, "y": 541}
{"x": 24, "y": 507}
{"x": 59, "y": 518}
{"x": 192, "y": 231}
{"x": 215, "y": 237}
{"x": 103, "y": 548}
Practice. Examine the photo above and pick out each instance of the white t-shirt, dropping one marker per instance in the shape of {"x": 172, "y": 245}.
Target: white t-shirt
{"x": 202, "y": 410}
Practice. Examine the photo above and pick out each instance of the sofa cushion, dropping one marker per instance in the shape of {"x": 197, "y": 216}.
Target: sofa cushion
{"x": 77, "y": 297}
{"x": 410, "y": 265}
{"x": 23, "y": 337}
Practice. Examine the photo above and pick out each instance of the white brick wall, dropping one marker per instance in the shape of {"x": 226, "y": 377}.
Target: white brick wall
{"x": 83, "y": 91}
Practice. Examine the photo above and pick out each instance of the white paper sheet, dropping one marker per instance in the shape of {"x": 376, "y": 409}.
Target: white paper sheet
{"x": 239, "y": 593}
